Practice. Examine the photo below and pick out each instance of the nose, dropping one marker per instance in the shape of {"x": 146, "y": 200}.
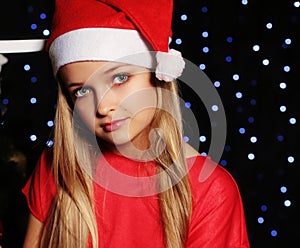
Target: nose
{"x": 106, "y": 102}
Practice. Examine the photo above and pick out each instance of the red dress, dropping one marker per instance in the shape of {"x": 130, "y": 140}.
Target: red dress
{"x": 128, "y": 221}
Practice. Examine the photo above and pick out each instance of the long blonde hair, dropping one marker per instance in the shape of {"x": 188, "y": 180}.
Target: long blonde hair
{"x": 71, "y": 221}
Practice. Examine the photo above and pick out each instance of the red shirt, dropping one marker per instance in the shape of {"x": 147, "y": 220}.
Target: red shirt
{"x": 128, "y": 221}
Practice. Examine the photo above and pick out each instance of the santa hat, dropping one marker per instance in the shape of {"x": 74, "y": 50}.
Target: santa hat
{"x": 130, "y": 31}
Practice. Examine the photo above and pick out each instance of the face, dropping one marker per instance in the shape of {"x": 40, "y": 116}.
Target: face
{"x": 116, "y": 101}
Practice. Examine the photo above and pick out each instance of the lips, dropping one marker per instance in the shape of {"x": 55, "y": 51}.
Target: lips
{"x": 114, "y": 125}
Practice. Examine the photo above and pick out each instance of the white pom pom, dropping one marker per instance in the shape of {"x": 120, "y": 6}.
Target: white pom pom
{"x": 169, "y": 65}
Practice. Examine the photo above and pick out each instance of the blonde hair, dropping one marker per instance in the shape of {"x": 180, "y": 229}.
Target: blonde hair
{"x": 71, "y": 220}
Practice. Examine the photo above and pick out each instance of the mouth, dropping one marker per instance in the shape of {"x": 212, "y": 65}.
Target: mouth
{"x": 114, "y": 125}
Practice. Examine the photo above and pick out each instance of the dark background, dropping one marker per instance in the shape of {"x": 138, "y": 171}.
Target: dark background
{"x": 268, "y": 183}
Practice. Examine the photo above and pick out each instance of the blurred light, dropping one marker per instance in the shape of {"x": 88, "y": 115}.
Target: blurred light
{"x": 204, "y": 9}
{"x": 43, "y": 16}
{"x": 292, "y": 120}
{"x": 33, "y": 137}
{"x": 46, "y": 32}
{"x": 217, "y": 84}
{"x": 238, "y": 95}
{"x": 282, "y": 108}
{"x": 256, "y": 48}
{"x": 50, "y": 123}
{"x": 202, "y": 66}
{"x": 178, "y": 41}
{"x": 229, "y": 39}
{"x": 33, "y": 26}
{"x": 286, "y": 68}
{"x": 33, "y": 100}
{"x": 251, "y": 156}
{"x": 205, "y": 49}
{"x": 260, "y": 220}
{"x": 282, "y": 85}
{"x": 291, "y": 159}
{"x": 183, "y": 17}
{"x": 5, "y": 101}
{"x": 205, "y": 34}
{"x": 26, "y": 67}
{"x": 33, "y": 79}
{"x": 265, "y": 62}
{"x": 287, "y": 203}
{"x": 274, "y": 233}
{"x": 269, "y": 25}
{"x": 283, "y": 189}
{"x": 264, "y": 208}
{"x": 187, "y": 104}
{"x": 202, "y": 138}
{"x": 214, "y": 108}
{"x": 235, "y": 77}
{"x": 242, "y": 130}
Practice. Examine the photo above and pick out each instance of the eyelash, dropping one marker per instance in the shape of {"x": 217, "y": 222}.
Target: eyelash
{"x": 77, "y": 93}
{"x": 122, "y": 80}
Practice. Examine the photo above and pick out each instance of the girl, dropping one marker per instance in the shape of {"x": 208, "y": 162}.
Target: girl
{"x": 119, "y": 173}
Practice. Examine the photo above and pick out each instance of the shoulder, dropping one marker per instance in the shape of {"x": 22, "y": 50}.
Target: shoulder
{"x": 208, "y": 180}
{"x": 39, "y": 189}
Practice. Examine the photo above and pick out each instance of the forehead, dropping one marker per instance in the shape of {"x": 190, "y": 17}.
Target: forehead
{"x": 81, "y": 71}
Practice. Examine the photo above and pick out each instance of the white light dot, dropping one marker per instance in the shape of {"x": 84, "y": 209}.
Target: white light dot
{"x": 287, "y": 203}
{"x": 183, "y": 17}
{"x": 260, "y": 220}
{"x": 205, "y": 34}
{"x": 251, "y": 156}
{"x": 33, "y": 100}
{"x": 282, "y": 85}
{"x": 202, "y": 138}
{"x": 286, "y": 68}
{"x": 214, "y": 108}
{"x": 288, "y": 41}
{"x": 236, "y": 77}
{"x": 292, "y": 120}
{"x": 217, "y": 84}
{"x": 238, "y": 95}
{"x": 297, "y": 4}
{"x": 244, "y": 2}
{"x": 26, "y": 67}
{"x": 291, "y": 159}
{"x": 178, "y": 41}
{"x": 50, "y": 123}
{"x": 46, "y": 32}
{"x": 253, "y": 139}
{"x": 33, "y": 137}
{"x": 202, "y": 66}
{"x": 265, "y": 62}
{"x": 269, "y": 25}
{"x": 205, "y": 49}
{"x": 282, "y": 108}
{"x": 283, "y": 189}
{"x": 256, "y": 48}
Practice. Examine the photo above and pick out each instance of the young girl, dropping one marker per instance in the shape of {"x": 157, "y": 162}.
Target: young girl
{"x": 119, "y": 173}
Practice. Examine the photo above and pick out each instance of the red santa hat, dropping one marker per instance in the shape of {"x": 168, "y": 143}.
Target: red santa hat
{"x": 129, "y": 31}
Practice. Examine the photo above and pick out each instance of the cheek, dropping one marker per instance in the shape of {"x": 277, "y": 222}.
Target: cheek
{"x": 86, "y": 112}
{"x": 140, "y": 101}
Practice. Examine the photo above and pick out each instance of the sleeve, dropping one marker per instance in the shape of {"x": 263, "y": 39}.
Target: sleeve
{"x": 218, "y": 217}
{"x": 40, "y": 189}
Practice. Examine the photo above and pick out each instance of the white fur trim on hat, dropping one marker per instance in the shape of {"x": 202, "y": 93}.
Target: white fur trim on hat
{"x": 94, "y": 44}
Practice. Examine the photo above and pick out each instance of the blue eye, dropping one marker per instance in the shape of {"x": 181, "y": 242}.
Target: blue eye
{"x": 82, "y": 92}
{"x": 120, "y": 78}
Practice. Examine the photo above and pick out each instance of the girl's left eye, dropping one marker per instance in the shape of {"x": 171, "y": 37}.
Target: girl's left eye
{"x": 120, "y": 78}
